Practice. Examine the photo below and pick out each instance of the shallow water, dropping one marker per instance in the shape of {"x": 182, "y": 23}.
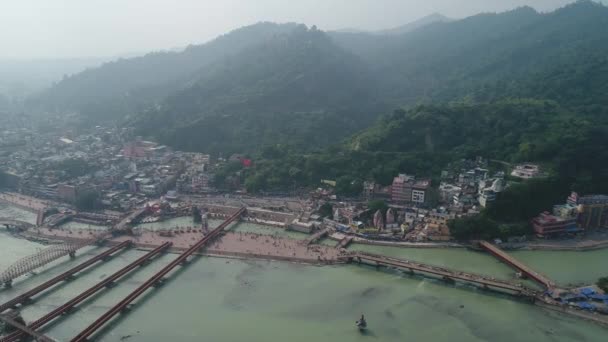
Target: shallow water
{"x": 231, "y": 300}
{"x": 455, "y": 258}
{"x": 568, "y": 267}
{"x": 15, "y": 213}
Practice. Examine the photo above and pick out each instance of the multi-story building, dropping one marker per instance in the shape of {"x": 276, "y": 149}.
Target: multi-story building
{"x": 406, "y": 189}
{"x": 419, "y": 191}
{"x": 488, "y": 189}
{"x": 593, "y": 211}
{"x": 546, "y": 225}
{"x": 401, "y": 190}
{"x": 448, "y": 191}
{"x": 67, "y": 192}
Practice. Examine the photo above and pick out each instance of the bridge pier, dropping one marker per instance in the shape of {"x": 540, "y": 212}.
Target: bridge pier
{"x": 72, "y": 255}
{"x": 155, "y": 280}
{"x": 448, "y": 276}
{"x": 159, "y": 283}
{"x": 8, "y": 284}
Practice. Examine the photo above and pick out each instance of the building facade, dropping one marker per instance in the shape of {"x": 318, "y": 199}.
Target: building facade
{"x": 546, "y": 225}
{"x": 401, "y": 190}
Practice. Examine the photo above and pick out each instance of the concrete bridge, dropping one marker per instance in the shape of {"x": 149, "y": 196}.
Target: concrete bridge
{"x": 447, "y": 275}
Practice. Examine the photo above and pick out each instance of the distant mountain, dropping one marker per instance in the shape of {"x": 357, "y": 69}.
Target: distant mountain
{"x": 21, "y": 78}
{"x": 298, "y": 89}
{"x": 285, "y": 84}
{"x": 514, "y": 86}
{"x": 489, "y": 56}
{"x": 414, "y": 25}
{"x": 127, "y": 85}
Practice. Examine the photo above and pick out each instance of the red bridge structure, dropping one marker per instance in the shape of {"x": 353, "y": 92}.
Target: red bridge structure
{"x": 155, "y": 280}
{"x": 518, "y": 265}
{"x": 71, "y": 304}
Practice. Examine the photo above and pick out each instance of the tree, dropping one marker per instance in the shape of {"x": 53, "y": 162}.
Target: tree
{"x": 348, "y": 186}
{"x": 603, "y": 284}
{"x": 196, "y": 214}
{"x": 477, "y": 227}
{"x": 376, "y": 205}
{"x": 326, "y": 210}
{"x": 87, "y": 200}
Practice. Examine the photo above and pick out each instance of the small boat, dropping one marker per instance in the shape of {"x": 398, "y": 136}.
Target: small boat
{"x": 361, "y": 323}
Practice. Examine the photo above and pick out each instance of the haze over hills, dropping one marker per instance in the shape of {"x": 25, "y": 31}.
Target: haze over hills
{"x": 21, "y": 78}
{"x": 126, "y": 83}
{"x": 416, "y": 24}
{"x": 291, "y": 87}
{"x": 284, "y": 84}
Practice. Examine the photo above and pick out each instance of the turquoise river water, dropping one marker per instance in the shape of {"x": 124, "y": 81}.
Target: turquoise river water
{"x": 232, "y": 300}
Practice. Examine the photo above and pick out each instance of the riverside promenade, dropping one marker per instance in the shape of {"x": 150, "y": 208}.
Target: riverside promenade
{"x": 229, "y": 244}
{"x": 29, "y": 203}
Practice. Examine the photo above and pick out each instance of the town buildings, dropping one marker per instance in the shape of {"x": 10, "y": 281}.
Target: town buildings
{"x": 592, "y": 210}
{"x": 579, "y": 213}
{"x": 406, "y": 189}
{"x": 546, "y": 225}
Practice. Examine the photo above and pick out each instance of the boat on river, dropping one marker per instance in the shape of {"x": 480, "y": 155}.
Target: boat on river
{"x": 361, "y": 323}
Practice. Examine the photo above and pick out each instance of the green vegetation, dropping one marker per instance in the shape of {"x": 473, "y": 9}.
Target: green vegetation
{"x": 74, "y": 168}
{"x": 87, "y": 200}
{"x": 376, "y": 205}
{"x": 304, "y": 104}
{"x": 326, "y": 210}
{"x": 603, "y": 284}
{"x": 196, "y": 215}
{"x": 483, "y": 227}
{"x": 297, "y": 89}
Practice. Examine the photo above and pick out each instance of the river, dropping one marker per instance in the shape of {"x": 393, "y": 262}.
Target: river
{"x": 231, "y": 300}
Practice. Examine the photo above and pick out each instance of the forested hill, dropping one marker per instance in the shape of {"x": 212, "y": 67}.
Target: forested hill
{"x": 285, "y": 84}
{"x": 125, "y": 86}
{"x": 297, "y": 88}
{"x": 490, "y": 56}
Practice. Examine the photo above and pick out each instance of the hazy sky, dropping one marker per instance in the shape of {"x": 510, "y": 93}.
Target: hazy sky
{"x": 78, "y": 28}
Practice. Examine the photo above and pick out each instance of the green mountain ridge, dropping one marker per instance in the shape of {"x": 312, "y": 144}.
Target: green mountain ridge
{"x": 128, "y": 85}
{"x": 271, "y": 84}
{"x": 290, "y": 87}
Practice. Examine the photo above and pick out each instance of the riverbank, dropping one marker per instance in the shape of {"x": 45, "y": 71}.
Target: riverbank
{"x": 251, "y": 246}
{"x": 239, "y": 244}
{"x": 337, "y": 236}
{"x": 594, "y": 241}
{"x": 25, "y": 202}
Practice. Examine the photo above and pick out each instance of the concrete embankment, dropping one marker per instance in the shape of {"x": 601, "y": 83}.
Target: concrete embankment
{"x": 360, "y": 240}
{"x": 592, "y": 317}
{"x": 24, "y": 202}
{"x": 585, "y": 246}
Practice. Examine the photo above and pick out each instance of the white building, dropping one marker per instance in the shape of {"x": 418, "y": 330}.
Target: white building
{"x": 526, "y": 171}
